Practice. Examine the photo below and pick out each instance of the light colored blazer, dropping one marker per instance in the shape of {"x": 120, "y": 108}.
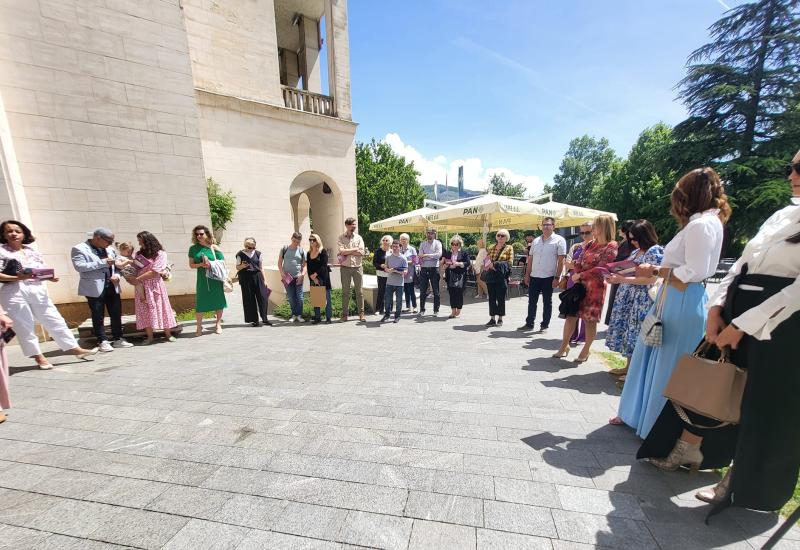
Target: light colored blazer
{"x": 90, "y": 266}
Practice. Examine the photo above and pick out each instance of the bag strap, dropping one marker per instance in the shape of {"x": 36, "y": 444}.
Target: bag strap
{"x": 663, "y": 295}
{"x": 685, "y": 417}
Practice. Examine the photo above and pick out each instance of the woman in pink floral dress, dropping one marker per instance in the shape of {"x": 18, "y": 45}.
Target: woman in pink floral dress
{"x": 153, "y": 310}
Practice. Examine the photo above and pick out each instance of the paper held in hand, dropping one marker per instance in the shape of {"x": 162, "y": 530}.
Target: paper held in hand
{"x": 625, "y": 267}
{"x": 287, "y": 279}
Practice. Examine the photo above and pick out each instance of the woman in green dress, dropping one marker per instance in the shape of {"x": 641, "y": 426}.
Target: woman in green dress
{"x": 210, "y": 295}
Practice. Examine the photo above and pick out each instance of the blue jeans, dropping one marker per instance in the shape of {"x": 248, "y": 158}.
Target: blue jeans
{"x": 294, "y": 293}
{"x": 328, "y": 308}
{"x": 395, "y": 292}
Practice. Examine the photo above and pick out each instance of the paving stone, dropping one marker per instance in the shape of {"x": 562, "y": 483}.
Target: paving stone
{"x": 63, "y": 542}
{"x": 501, "y": 467}
{"x": 73, "y": 517}
{"x": 375, "y": 530}
{"x": 526, "y": 492}
{"x": 13, "y": 537}
{"x": 198, "y": 534}
{"x": 251, "y": 511}
{"x": 20, "y": 508}
{"x": 596, "y": 501}
{"x": 502, "y": 540}
{"x": 310, "y": 520}
{"x": 612, "y": 531}
{"x": 138, "y": 528}
{"x": 260, "y": 540}
{"x": 123, "y": 491}
{"x": 445, "y": 508}
{"x": 518, "y": 518}
{"x": 429, "y": 535}
{"x": 190, "y": 501}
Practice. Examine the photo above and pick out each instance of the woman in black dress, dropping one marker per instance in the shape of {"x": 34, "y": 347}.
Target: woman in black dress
{"x": 379, "y": 262}
{"x": 251, "y": 280}
{"x": 319, "y": 274}
{"x": 455, "y": 261}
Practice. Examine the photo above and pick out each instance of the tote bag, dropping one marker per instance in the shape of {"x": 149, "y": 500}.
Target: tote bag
{"x": 319, "y": 297}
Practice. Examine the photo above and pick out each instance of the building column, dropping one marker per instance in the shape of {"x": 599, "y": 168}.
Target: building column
{"x": 336, "y": 26}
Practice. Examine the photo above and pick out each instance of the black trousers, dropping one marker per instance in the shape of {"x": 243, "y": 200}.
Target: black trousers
{"x": 254, "y": 295}
{"x": 429, "y": 274}
{"x": 543, "y": 286}
{"x": 108, "y": 300}
{"x": 380, "y": 298}
{"x": 456, "y": 297}
{"x": 497, "y": 299}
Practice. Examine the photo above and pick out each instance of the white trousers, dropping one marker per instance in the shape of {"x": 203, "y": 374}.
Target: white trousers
{"x": 31, "y": 301}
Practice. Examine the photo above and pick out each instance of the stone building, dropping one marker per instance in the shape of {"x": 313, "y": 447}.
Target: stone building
{"x": 114, "y": 112}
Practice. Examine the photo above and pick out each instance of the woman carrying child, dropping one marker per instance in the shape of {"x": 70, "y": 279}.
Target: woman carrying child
{"x": 153, "y": 310}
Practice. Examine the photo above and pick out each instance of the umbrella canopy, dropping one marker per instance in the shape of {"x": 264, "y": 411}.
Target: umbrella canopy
{"x": 567, "y": 215}
{"x": 487, "y": 213}
{"x": 414, "y": 221}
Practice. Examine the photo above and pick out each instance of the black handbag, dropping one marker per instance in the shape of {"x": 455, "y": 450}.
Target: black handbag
{"x": 11, "y": 266}
{"x": 571, "y": 300}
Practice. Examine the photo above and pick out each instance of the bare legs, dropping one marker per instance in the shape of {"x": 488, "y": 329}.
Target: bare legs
{"x": 217, "y": 324}
{"x": 569, "y": 328}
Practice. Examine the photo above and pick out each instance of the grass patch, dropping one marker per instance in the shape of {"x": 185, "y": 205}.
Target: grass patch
{"x": 612, "y": 360}
{"x": 189, "y": 315}
{"x": 284, "y": 311}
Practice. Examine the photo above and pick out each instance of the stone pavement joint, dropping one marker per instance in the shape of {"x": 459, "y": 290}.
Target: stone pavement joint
{"x": 431, "y": 433}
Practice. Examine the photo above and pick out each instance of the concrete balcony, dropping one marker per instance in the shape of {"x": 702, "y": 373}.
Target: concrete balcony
{"x": 301, "y": 100}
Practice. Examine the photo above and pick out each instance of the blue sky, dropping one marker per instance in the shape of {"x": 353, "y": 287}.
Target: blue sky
{"x": 505, "y": 88}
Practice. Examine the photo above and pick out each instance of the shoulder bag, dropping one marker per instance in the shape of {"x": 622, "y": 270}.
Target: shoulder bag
{"x": 652, "y": 330}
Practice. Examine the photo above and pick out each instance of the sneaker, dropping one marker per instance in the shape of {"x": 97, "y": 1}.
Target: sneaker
{"x": 266, "y": 324}
{"x": 396, "y": 320}
{"x": 295, "y": 319}
{"x": 542, "y": 330}
{"x": 384, "y": 318}
{"x": 172, "y": 339}
{"x": 327, "y": 321}
{"x": 121, "y": 343}
{"x": 105, "y": 346}
{"x": 435, "y": 312}
{"x": 414, "y": 310}
{"x": 499, "y": 322}
{"x": 491, "y": 323}
{"x": 421, "y": 312}
{"x": 526, "y": 326}
{"x": 406, "y": 310}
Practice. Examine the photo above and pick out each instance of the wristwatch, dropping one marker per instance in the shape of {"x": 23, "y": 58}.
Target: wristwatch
{"x": 656, "y": 271}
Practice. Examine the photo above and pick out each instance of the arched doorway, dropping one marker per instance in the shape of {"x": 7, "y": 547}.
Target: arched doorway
{"x": 317, "y": 206}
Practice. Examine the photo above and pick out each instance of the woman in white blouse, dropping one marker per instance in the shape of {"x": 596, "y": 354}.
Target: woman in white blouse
{"x": 700, "y": 206}
{"x": 756, "y": 311}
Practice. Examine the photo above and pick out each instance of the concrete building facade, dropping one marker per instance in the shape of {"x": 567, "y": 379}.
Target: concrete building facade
{"x": 114, "y": 112}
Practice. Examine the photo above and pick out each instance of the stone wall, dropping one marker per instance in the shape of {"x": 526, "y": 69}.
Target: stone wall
{"x": 100, "y": 105}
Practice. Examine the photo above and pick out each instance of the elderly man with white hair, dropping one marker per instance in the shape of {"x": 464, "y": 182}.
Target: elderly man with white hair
{"x": 94, "y": 259}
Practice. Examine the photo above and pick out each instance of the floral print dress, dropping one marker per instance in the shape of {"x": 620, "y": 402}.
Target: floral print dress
{"x": 631, "y": 306}
{"x": 594, "y": 255}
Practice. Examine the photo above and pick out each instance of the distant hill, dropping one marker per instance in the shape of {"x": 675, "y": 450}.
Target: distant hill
{"x": 450, "y": 194}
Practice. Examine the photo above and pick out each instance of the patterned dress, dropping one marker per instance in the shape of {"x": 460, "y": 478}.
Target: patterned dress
{"x": 153, "y": 309}
{"x": 630, "y": 307}
{"x": 594, "y": 255}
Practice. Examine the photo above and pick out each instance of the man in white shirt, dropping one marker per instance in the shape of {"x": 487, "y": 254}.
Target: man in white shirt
{"x": 543, "y": 271}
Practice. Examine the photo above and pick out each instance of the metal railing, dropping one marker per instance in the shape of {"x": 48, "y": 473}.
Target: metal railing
{"x": 310, "y": 102}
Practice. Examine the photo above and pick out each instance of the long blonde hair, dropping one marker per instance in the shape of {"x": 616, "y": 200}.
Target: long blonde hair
{"x": 318, "y": 239}
{"x": 606, "y": 228}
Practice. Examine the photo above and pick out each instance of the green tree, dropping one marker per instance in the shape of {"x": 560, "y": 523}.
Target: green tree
{"x": 387, "y": 185}
{"x": 499, "y": 184}
{"x": 586, "y": 165}
{"x": 742, "y": 91}
{"x": 221, "y": 204}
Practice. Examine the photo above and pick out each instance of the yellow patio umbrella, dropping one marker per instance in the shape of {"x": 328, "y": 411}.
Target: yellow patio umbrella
{"x": 414, "y": 221}
{"x": 487, "y": 213}
{"x": 567, "y": 215}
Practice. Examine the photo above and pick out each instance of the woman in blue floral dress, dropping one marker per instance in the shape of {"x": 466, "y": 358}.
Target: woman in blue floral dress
{"x": 632, "y": 301}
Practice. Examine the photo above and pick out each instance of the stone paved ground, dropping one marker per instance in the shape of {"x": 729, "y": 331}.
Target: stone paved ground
{"x": 431, "y": 433}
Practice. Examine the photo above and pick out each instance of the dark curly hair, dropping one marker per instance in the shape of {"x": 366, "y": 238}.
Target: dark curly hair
{"x": 150, "y": 245}
{"x": 27, "y": 238}
{"x": 204, "y": 228}
{"x": 697, "y": 191}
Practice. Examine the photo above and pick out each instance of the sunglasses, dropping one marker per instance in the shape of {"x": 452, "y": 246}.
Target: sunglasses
{"x": 794, "y": 166}
{"x": 249, "y": 247}
{"x": 586, "y": 232}
{"x": 312, "y": 240}
{"x": 200, "y": 234}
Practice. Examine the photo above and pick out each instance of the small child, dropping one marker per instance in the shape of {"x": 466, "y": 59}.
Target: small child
{"x": 127, "y": 266}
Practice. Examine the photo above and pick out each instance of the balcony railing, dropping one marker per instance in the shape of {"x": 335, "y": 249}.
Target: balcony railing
{"x": 310, "y": 102}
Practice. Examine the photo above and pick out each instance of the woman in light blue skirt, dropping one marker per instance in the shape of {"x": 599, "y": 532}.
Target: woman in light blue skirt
{"x": 700, "y": 206}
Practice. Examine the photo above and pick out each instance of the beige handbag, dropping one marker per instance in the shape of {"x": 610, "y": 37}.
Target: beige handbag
{"x": 319, "y": 296}
{"x": 708, "y": 387}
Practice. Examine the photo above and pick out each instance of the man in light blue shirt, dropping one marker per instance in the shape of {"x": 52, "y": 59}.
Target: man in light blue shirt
{"x": 543, "y": 272}
{"x": 430, "y": 252}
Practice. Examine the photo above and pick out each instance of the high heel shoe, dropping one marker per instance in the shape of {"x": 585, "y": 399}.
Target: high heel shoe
{"x": 85, "y": 353}
{"x": 681, "y": 455}
{"x": 718, "y": 492}
{"x": 561, "y": 353}
{"x": 578, "y": 360}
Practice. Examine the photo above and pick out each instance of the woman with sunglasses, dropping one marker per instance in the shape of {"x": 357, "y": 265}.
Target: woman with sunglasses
{"x": 495, "y": 273}
{"x": 251, "y": 280}
{"x": 756, "y": 312}
{"x": 210, "y": 295}
{"x": 455, "y": 263}
{"x": 320, "y": 274}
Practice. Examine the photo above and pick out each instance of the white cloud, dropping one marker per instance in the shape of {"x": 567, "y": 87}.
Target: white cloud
{"x": 476, "y": 177}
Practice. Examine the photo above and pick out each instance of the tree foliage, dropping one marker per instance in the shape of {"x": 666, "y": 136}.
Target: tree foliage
{"x": 386, "y": 184}
{"x": 221, "y": 204}
{"x": 499, "y": 184}
{"x": 586, "y": 165}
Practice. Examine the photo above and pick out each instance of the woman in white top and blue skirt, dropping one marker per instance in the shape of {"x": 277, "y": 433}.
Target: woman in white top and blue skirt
{"x": 756, "y": 312}
{"x": 700, "y": 206}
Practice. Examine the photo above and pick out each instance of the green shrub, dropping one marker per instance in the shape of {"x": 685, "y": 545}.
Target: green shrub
{"x": 369, "y": 269}
{"x": 189, "y": 315}
{"x": 518, "y": 247}
{"x": 221, "y": 204}
{"x": 284, "y": 311}
{"x": 472, "y": 250}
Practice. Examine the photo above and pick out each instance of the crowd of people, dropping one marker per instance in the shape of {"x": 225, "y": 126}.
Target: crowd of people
{"x": 753, "y": 313}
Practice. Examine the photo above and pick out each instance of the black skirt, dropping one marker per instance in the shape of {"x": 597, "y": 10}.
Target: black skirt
{"x": 765, "y": 446}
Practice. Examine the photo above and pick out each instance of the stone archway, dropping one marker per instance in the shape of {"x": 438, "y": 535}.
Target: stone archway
{"x": 317, "y": 206}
